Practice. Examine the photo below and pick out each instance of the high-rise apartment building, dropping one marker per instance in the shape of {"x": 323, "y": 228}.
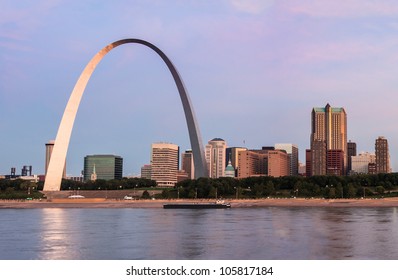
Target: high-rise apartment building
{"x": 382, "y": 155}
{"x": 318, "y": 158}
{"x": 49, "y": 150}
{"x": 328, "y": 132}
{"x": 164, "y": 163}
{"x": 215, "y": 157}
{"x": 105, "y": 167}
{"x": 187, "y": 164}
{"x": 293, "y": 157}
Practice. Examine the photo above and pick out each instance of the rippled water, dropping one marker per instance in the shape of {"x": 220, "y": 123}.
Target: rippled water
{"x": 240, "y": 233}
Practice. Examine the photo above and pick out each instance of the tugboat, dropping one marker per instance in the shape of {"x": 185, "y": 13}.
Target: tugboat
{"x": 219, "y": 204}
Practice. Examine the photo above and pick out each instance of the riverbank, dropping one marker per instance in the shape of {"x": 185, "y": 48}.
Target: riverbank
{"x": 235, "y": 203}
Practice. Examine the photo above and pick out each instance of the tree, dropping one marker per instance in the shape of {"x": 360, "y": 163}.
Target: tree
{"x": 146, "y": 195}
{"x": 351, "y": 190}
{"x": 380, "y": 190}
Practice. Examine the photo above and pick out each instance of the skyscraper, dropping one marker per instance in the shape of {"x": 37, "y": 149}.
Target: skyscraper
{"x": 164, "y": 164}
{"x": 328, "y": 132}
{"x": 293, "y": 157}
{"x": 351, "y": 152}
{"x": 382, "y": 155}
{"x": 106, "y": 167}
{"x": 215, "y": 157}
{"x": 187, "y": 164}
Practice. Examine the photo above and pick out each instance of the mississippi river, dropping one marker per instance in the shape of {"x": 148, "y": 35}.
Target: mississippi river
{"x": 282, "y": 233}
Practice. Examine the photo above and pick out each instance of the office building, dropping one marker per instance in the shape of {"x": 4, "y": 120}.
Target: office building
{"x": 308, "y": 163}
{"x": 187, "y": 164}
{"x": 266, "y": 162}
{"x": 360, "y": 163}
{"x": 293, "y": 157}
{"x": 215, "y": 157}
{"x": 351, "y": 151}
{"x": 318, "y": 158}
{"x": 335, "y": 162}
{"x": 146, "y": 171}
{"x": 105, "y": 167}
{"x": 278, "y": 163}
{"x": 328, "y": 132}
{"x": 252, "y": 163}
{"x": 164, "y": 164}
{"x": 382, "y": 155}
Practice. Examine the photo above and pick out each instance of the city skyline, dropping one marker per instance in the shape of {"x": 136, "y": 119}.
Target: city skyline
{"x": 254, "y": 70}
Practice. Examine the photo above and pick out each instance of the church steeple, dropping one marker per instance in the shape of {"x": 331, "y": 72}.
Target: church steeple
{"x": 93, "y": 174}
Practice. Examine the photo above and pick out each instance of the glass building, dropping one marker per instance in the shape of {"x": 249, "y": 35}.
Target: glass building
{"x": 106, "y": 167}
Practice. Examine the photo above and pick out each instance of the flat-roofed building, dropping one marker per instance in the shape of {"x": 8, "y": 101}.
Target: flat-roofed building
{"x": 146, "y": 171}
{"x": 187, "y": 164}
{"x": 335, "y": 163}
{"x": 293, "y": 156}
{"x": 106, "y": 167}
{"x": 164, "y": 164}
{"x": 278, "y": 163}
{"x": 382, "y": 155}
{"x": 262, "y": 163}
{"x": 360, "y": 163}
{"x": 252, "y": 163}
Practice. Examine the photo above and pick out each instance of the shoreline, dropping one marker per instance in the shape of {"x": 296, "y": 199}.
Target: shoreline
{"x": 235, "y": 203}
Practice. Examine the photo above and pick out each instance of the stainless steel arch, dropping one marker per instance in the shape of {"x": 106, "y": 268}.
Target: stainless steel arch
{"x": 58, "y": 156}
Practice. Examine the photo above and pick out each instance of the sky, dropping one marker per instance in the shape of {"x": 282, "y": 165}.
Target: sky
{"x": 254, "y": 69}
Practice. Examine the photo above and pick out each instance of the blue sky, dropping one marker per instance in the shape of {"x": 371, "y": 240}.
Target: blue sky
{"x": 254, "y": 71}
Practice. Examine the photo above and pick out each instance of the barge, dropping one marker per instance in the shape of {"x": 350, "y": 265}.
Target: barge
{"x": 215, "y": 205}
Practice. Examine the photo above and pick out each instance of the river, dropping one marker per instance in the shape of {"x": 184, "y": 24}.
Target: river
{"x": 274, "y": 233}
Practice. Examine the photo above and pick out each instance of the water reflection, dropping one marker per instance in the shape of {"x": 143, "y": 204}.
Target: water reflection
{"x": 252, "y": 233}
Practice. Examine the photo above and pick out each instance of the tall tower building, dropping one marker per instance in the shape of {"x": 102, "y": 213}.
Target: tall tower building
{"x": 164, "y": 164}
{"x": 351, "y": 152}
{"x": 215, "y": 157}
{"x": 293, "y": 157}
{"x": 187, "y": 164}
{"x": 49, "y": 150}
{"x": 328, "y": 126}
{"x": 382, "y": 155}
{"x": 106, "y": 167}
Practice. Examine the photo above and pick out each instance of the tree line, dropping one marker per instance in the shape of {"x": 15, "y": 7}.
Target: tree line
{"x": 355, "y": 186}
{"x": 378, "y": 185}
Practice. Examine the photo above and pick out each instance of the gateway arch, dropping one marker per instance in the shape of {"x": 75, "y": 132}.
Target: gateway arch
{"x": 58, "y": 156}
